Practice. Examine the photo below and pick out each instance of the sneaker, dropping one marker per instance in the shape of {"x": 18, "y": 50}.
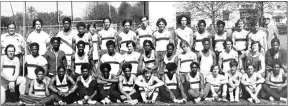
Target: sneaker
{"x": 257, "y": 101}
{"x": 271, "y": 98}
{"x": 236, "y": 100}
{"x": 232, "y": 99}
{"x": 216, "y": 98}
{"x": 80, "y": 102}
{"x": 103, "y": 101}
{"x": 118, "y": 101}
{"x": 197, "y": 100}
{"x": 250, "y": 100}
{"x": 133, "y": 102}
{"x": 283, "y": 100}
{"x": 224, "y": 99}
{"x": 92, "y": 102}
{"x": 208, "y": 99}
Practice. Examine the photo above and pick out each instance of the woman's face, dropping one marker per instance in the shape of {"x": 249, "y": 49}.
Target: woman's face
{"x": 147, "y": 47}
{"x": 11, "y": 29}
{"x": 10, "y": 51}
{"x": 92, "y": 29}
{"x": 183, "y": 21}
{"x": 161, "y": 25}
{"x": 127, "y": 26}
{"x": 106, "y": 23}
{"x": 241, "y": 25}
{"x": 215, "y": 70}
{"x": 38, "y": 25}
{"x": 250, "y": 69}
{"x": 255, "y": 47}
{"x": 229, "y": 45}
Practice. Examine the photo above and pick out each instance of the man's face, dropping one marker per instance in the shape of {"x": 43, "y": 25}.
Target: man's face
{"x": 106, "y": 23}
{"x": 144, "y": 22}
{"x": 220, "y": 28}
{"x": 147, "y": 47}
{"x": 61, "y": 72}
{"x": 250, "y": 69}
{"x": 127, "y": 72}
{"x": 183, "y": 21}
{"x": 81, "y": 48}
{"x": 241, "y": 25}
{"x": 206, "y": 45}
{"x": 229, "y": 45}
{"x": 161, "y": 26}
{"x": 56, "y": 44}
{"x": 147, "y": 74}
{"x": 81, "y": 30}
{"x": 130, "y": 48}
{"x": 215, "y": 70}
{"x": 85, "y": 73}
{"x": 202, "y": 27}
{"x": 66, "y": 25}
{"x": 11, "y": 29}
{"x": 233, "y": 69}
{"x": 106, "y": 71}
{"x": 255, "y": 47}
{"x": 10, "y": 52}
{"x": 275, "y": 46}
{"x": 170, "y": 73}
{"x": 194, "y": 68}
{"x": 267, "y": 20}
{"x": 170, "y": 50}
{"x": 127, "y": 26}
{"x": 40, "y": 75}
{"x": 34, "y": 51}
{"x": 277, "y": 68}
{"x": 110, "y": 49}
{"x": 184, "y": 47}
{"x": 38, "y": 25}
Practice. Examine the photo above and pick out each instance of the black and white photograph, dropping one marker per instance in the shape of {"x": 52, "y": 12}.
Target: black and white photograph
{"x": 184, "y": 53}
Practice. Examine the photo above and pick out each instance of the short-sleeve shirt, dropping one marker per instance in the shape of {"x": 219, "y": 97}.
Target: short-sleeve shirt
{"x": 235, "y": 78}
{"x": 114, "y": 61}
{"x": 32, "y": 62}
{"x": 8, "y": 66}
{"x": 41, "y": 38}
{"x": 216, "y": 79}
{"x": 17, "y": 40}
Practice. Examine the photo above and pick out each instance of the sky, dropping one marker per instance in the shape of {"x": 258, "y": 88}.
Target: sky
{"x": 65, "y": 7}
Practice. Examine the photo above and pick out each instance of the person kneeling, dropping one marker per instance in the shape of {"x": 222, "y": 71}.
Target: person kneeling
{"x": 38, "y": 91}
{"x": 87, "y": 86}
{"x": 172, "y": 90}
{"x": 148, "y": 86}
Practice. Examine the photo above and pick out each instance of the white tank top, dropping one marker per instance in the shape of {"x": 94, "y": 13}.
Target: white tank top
{"x": 66, "y": 41}
{"x": 186, "y": 60}
{"x": 184, "y": 34}
{"x": 107, "y": 35}
{"x": 39, "y": 89}
{"x": 85, "y": 38}
{"x": 171, "y": 84}
{"x": 133, "y": 60}
{"x": 128, "y": 83}
{"x": 95, "y": 46}
{"x": 166, "y": 61}
{"x": 79, "y": 62}
{"x": 240, "y": 39}
{"x": 278, "y": 80}
{"x": 194, "y": 82}
{"x": 62, "y": 86}
{"x": 219, "y": 40}
{"x": 144, "y": 34}
{"x": 198, "y": 41}
{"x": 258, "y": 36}
{"x": 162, "y": 40}
{"x": 8, "y": 66}
{"x": 125, "y": 38}
{"x": 86, "y": 84}
{"x": 206, "y": 63}
{"x": 227, "y": 57}
{"x": 149, "y": 62}
{"x": 108, "y": 85}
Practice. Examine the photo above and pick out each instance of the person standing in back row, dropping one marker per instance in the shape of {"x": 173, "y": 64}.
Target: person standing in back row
{"x": 126, "y": 35}
{"x": 143, "y": 33}
{"x": 183, "y": 33}
{"x": 82, "y": 36}
{"x": 200, "y": 34}
{"x": 106, "y": 34}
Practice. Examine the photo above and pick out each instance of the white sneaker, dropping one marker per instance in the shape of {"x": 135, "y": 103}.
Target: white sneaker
{"x": 283, "y": 100}
{"x": 208, "y": 99}
{"x": 197, "y": 100}
{"x": 80, "y": 102}
{"x": 92, "y": 102}
{"x": 250, "y": 100}
{"x": 118, "y": 101}
{"x": 236, "y": 100}
{"x": 271, "y": 98}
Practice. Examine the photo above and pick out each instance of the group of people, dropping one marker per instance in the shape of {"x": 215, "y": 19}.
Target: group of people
{"x": 86, "y": 66}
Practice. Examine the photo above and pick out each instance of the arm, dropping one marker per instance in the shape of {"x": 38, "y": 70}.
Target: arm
{"x": 178, "y": 62}
{"x": 260, "y": 79}
{"x": 224, "y": 80}
{"x": 244, "y": 82}
{"x": 191, "y": 39}
{"x": 140, "y": 65}
{"x": 155, "y": 67}
{"x": 267, "y": 81}
{"x": 114, "y": 79}
{"x": 16, "y": 74}
{"x": 201, "y": 82}
{"x": 214, "y": 58}
{"x": 233, "y": 40}
{"x": 45, "y": 67}
{"x": 171, "y": 37}
{"x": 46, "y": 89}
{"x": 52, "y": 86}
{"x": 30, "y": 93}
{"x": 74, "y": 44}
{"x": 220, "y": 61}
{"x": 262, "y": 60}
{"x": 286, "y": 80}
{"x": 158, "y": 82}
{"x": 120, "y": 86}
{"x": 72, "y": 64}
{"x": 90, "y": 45}
{"x": 74, "y": 85}
{"x": 180, "y": 86}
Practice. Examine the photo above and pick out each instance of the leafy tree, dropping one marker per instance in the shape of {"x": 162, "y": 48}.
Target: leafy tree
{"x": 99, "y": 10}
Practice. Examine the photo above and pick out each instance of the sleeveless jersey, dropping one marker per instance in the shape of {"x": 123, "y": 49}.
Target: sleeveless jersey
{"x": 84, "y": 38}
{"x": 206, "y": 63}
{"x": 106, "y": 35}
{"x": 145, "y": 34}
{"x": 62, "y": 86}
{"x": 39, "y": 89}
{"x": 186, "y": 60}
{"x": 227, "y": 57}
{"x": 162, "y": 40}
{"x": 8, "y": 66}
{"x": 128, "y": 83}
{"x": 86, "y": 83}
{"x": 125, "y": 38}
{"x": 198, "y": 40}
{"x": 79, "y": 62}
{"x": 184, "y": 35}
{"x": 194, "y": 82}
{"x": 278, "y": 80}
{"x": 166, "y": 61}
{"x": 255, "y": 60}
{"x": 108, "y": 85}
{"x": 258, "y": 36}
{"x": 219, "y": 40}
{"x": 95, "y": 46}
{"x": 66, "y": 42}
{"x": 240, "y": 39}
{"x": 133, "y": 60}
{"x": 149, "y": 62}
{"x": 171, "y": 84}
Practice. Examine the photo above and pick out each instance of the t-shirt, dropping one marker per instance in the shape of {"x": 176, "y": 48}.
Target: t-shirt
{"x": 114, "y": 61}
{"x": 17, "y": 40}
{"x": 41, "y": 38}
{"x": 32, "y": 62}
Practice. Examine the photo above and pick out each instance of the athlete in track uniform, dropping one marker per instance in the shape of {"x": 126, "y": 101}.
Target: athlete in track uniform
{"x": 106, "y": 34}
{"x": 206, "y": 57}
{"x": 169, "y": 57}
{"x": 126, "y": 35}
{"x": 149, "y": 58}
{"x": 183, "y": 33}
{"x": 257, "y": 35}
{"x": 226, "y": 56}
{"x": 199, "y": 35}
{"x": 132, "y": 57}
{"x": 219, "y": 37}
{"x": 234, "y": 78}
{"x": 143, "y": 33}
{"x": 80, "y": 58}
{"x": 82, "y": 36}
{"x": 95, "y": 40}
{"x": 239, "y": 37}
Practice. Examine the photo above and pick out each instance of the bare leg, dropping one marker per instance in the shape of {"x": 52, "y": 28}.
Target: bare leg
{"x": 21, "y": 81}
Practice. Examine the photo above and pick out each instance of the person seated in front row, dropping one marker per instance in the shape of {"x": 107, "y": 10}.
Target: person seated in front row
{"x": 87, "y": 86}
{"x": 63, "y": 87}
{"x": 127, "y": 91}
{"x": 218, "y": 84}
{"x": 172, "y": 90}
{"x": 234, "y": 78}
{"x": 38, "y": 90}
{"x": 106, "y": 83}
{"x": 9, "y": 66}
{"x": 148, "y": 85}
{"x": 194, "y": 83}
{"x": 252, "y": 82}
{"x": 276, "y": 83}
